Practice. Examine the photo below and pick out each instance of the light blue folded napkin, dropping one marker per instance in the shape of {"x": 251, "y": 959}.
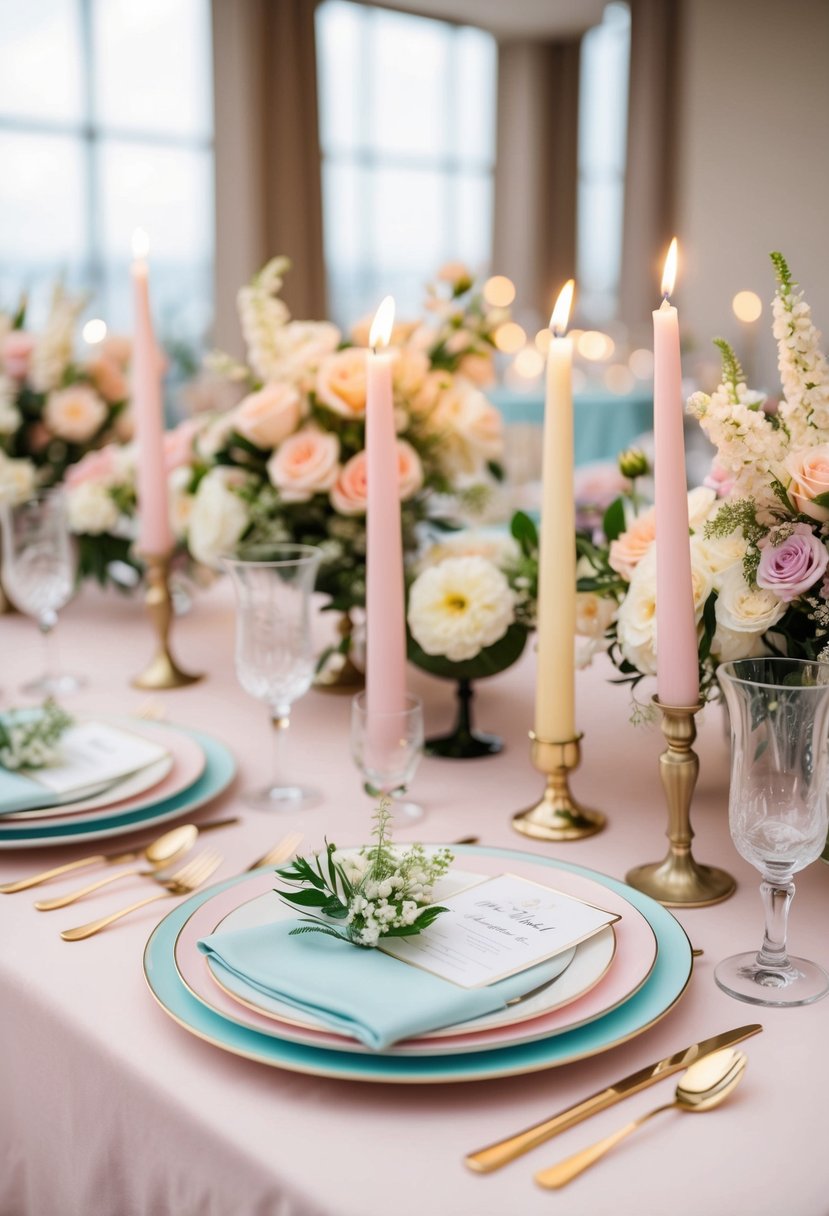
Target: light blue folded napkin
{"x": 19, "y": 793}
{"x": 358, "y": 992}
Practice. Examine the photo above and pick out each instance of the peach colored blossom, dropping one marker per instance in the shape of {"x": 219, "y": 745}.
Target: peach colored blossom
{"x": 809, "y": 471}
{"x": 349, "y": 494}
{"x": 75, "y": 413}
{"x": 341, "y": 382}
{"x": 409, "y": 370}
{"x": 479, "y": 369}
{"x": 178, "y": 443}
{"x": 16, "y": 352}
{"x": 305, "y": 464}
{"x": 435, "y": 384}
{"x": 118, "y": 348}
{"x": 267, "y": 417}
{"x": 409, "y": 470}
{"x": 471, "y": 429}
{"x": 108, "y": 378}
{"x": 627, "y": 551}
{"x": 124, "y": 426}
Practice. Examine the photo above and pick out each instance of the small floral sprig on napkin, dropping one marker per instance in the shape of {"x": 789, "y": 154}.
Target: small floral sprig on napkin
{"x": 31, "y": 739}
{"x": 376, "y": 892}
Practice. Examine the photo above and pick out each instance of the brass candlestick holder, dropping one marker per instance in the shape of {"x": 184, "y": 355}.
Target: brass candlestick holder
{"x": 163, "y": 671}
{"x": 557, "y": 816}
{"x": 679, "y": 881}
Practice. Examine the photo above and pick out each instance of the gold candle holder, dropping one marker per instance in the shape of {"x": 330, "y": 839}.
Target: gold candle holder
{"x": 163, "y": 671}
{"x": 679, "y": 881}
{"x": 557, "y": 816}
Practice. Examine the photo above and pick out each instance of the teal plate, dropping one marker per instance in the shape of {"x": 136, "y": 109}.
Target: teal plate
{"x": 219, "y": 771}
{"x": 655, "y": 998}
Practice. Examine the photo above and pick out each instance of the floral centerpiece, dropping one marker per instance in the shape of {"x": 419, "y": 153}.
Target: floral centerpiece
{"x": 366, "y": 894}
{"x": 287, "y": 463}
{"x": 54, "y": 408}
{"x": 759, "y": 526}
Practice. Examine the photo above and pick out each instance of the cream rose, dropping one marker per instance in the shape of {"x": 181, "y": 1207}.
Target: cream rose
{"x": 219, "y": 516}
{"x": 700, "y": 502}
{"x": 409, "y": 370}
{"x": 341, "y": 382}
{"x": 809, "y": 472}
{"x": 636, "y": 621}
{"x": 267, "y": 417}
{"x": 91, "y": 509}
{"x": 723, "y": 552}
{"x": 470, "y": 428}
{"x": 75, "y": 413}
{"x": 479, "y": 369}
{"x": 628, "y": 550}
{"x": 181, "y": 500}
{"x": 745, "y": 609}
{"x": 305, "y": 464}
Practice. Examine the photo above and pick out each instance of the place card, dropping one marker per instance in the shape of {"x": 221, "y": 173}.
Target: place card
{"x": 94, "y": 753}
{"x": 497, "y": 928}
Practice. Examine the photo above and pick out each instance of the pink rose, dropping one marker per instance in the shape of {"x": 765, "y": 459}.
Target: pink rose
{"x": 178, "y": 443}
{"x": 108, "y": 378}
{"x": 349, "y": 494}
{"x": 341, "y": 382}
{"x": 305, "y": 464}
{"x": 75, "y": 413}
{"x": 793, "y": 566}
{"x": 627, "y": 551}
{"x": 269, "y": 416}
{"x": 16, "y": 352}
{"x": 719, "y": 480}
{"x": 810, "y": 477}
{"x": 101, "y": 466}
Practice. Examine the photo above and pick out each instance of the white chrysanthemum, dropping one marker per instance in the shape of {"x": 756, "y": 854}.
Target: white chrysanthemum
{"x": 17, "y": 480}
{"x": 459, "y": 607}
{"x": 91, "y": 509}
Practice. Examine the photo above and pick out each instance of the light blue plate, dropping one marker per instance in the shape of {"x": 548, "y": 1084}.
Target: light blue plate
{"x": 661, "y": 991}
{"x": 219, "y": 770}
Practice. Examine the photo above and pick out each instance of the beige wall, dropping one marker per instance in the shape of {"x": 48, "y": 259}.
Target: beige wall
{"x": 754, "y": 160}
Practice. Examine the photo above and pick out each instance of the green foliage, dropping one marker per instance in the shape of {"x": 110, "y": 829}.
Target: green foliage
{"x": 29, "y": 739}
{"x": 525, "y": 532}
{"x": 488, "y": 662}
{"x": 782, "y": 273}
{"x": 732, "y": 371}
{"x": 614, "y": 522}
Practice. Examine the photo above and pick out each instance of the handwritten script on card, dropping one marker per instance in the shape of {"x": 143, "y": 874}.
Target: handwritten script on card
{"x": 497, "y": 928}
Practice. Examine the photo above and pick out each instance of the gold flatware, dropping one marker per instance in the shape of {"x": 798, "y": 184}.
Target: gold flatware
{"x": 467, "y": 840}
{"x": 702, "y": 1087}
{"x": 161, "y": 853}
{"x": 280, "y": 852}
{"x": 484, "y": 1160}
{"x": 183, "y": 882}
{"x": 136, "y": 853}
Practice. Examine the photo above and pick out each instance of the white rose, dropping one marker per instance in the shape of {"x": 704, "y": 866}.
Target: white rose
{"x": 459, "y": 607}
{"x": 700, "y": 502}
{"x": 636, "y": 621}
{"x": 91, "y": 509}
{"x": 746, "y": 609}
{"x": 727, "y": 645}
{"x": 723, "y": 552}
{"x": 218, "y": 517}
{"x": 181, "y": 500}
{"x": 17, "y": 480}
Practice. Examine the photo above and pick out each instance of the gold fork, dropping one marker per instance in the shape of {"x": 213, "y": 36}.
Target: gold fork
{"x": 182, "y": 882}
{"x": 280, "y": 852}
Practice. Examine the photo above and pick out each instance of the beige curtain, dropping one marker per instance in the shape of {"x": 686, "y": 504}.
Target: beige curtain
{"x": 651, "y": 168}
{"x": 268, "y": 185}
{"x": 536, "y": 174}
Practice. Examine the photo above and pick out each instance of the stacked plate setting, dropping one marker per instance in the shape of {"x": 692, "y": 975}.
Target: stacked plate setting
{"x": 619, "y": 983}
{"x": 194, "y": 769}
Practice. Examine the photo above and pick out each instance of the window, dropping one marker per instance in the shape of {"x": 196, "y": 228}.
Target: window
{"x": 106, "y": 126}
{"x": 407, "y": 126}
{"x": 603, "y": 93}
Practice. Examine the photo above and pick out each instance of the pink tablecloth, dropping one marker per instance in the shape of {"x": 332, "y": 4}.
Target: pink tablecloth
{"x": 110, "y": 1109}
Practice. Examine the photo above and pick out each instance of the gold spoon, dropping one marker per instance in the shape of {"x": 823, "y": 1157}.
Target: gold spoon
{"x": 701, "y": 1087}
{"x": 159, "y": 853}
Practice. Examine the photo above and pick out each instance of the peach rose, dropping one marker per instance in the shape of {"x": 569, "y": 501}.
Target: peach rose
{"x": 178, "y": 443}
{"x": 434, "y": 385}
{"x": 409, "y": 370}
{"x": 305, "y": 464}
{"x": 108, "y": 379}
{"x": 101, "y": 466}
{"x": 810, "y": 477}
{"x": 470, "y": 427}
{"x": 75, "y": 413}
{"x": 409, "y": 470}
{"x": 349, "y": 494}
{"x": 341, "y": 382}
{"x": 16, "y": 352}
{"x": 479, "y": 369}
{"x": 269, "y": 416}
{"x": 627, "y": 551}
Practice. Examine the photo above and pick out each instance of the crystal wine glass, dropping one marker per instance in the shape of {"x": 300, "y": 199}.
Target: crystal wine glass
{"x": 778, "y": 811}
{"x": 274, "y": 651}
{"x": 387, "y": 748}
{"x": 39, "y": 573}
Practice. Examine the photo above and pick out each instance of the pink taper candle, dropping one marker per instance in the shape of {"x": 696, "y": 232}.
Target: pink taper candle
{"x": 677, "y": 665}
{"x": 385, "y": 598}
{"x": 155, "y": 535}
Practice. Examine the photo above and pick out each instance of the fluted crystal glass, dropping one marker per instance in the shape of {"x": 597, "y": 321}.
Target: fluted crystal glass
{"x": 274, "y": 649}
{"x": 778, "y": 811}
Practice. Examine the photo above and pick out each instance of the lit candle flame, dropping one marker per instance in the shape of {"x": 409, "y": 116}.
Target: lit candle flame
{"x": 382, "y": 324}
{"x": 669, "y": 273}
{"x": 140, "y": 244}
{"x": 561, "y": 313}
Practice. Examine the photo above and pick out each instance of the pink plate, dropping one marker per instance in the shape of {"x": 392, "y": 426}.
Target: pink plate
{"x": 634, "y": 960}
{"x": 188, "y": 766}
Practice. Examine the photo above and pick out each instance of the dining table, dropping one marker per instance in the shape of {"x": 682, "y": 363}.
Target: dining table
{"x": 110, "y": 1108}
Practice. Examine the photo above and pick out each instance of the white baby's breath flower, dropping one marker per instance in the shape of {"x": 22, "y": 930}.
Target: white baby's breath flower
{"x": 459, "y": 607}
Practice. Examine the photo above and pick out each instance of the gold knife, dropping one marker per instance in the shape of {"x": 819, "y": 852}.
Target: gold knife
{"x": 109, "y": 859}
{"x": 484, "y": 1160}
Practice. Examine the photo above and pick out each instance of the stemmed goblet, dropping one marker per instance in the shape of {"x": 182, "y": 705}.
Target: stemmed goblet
{"x": 386, "y": 748}
{"x": 274, "y": 650}
{"x": 778, "y": 811}
{"x": 39, "y": 573}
